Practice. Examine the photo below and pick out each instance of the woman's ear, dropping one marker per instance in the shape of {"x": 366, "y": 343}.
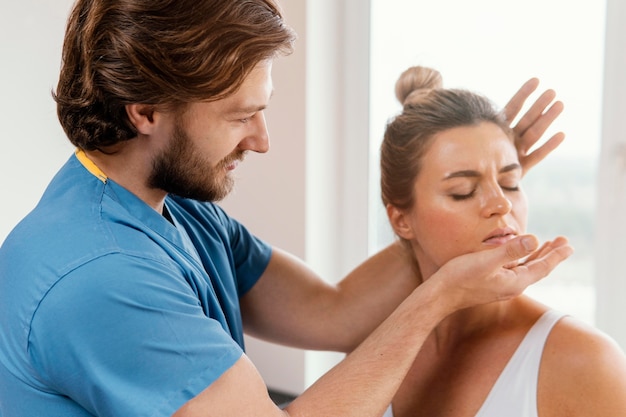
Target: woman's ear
{"x": 399, "y": 223}
{"x": 142, "y": 117}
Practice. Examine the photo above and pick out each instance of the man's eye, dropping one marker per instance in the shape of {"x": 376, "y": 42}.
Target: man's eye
{"x": 247, "y": 118}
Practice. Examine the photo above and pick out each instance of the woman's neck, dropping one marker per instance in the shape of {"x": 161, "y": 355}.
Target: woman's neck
{"x": 469, "y": 323}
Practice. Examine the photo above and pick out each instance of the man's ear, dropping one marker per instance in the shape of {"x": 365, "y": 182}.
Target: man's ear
{"x": 142, "y": 117}
{"x": 399, "y": 223}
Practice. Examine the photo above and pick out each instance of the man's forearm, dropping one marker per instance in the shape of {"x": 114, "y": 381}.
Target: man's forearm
{"x": 364, "y": 383}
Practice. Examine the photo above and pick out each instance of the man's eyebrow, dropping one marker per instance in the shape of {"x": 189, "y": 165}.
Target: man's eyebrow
{"x": 469, "y": 173}
{"x": 247, "y": 110}
{"x": 251, "y": 108}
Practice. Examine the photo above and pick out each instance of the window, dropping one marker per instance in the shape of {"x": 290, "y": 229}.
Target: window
{"x": 491, "y": 48}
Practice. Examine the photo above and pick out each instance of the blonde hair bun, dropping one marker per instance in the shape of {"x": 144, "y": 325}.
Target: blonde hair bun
{"x": 416, "y": 81}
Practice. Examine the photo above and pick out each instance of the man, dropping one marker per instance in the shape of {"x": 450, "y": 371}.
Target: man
{"x": 126, "y": 291}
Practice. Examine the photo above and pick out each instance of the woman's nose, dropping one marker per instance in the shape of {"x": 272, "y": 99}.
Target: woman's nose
{"x": 496, "y": 203}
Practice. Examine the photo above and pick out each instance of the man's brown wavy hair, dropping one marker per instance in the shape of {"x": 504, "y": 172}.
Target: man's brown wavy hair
{"x": 162, "y": 52}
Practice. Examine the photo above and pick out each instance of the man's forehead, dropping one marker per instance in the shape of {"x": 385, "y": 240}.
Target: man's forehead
{"x": 246, "y": 103}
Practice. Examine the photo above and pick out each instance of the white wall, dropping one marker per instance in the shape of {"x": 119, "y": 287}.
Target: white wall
{"x": 33, "y": 143}
{"x": 611, "y": 211}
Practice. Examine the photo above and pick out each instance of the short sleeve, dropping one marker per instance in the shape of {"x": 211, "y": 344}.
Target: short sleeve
{"x": 250, "y": 254}
{"x": 122, "y": 336}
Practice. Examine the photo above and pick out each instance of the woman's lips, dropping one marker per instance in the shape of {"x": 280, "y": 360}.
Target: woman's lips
{"x": 500, "y": 236}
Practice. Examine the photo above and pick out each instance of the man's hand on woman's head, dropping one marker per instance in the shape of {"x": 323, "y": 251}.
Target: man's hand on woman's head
{"x": 534, "y": 123}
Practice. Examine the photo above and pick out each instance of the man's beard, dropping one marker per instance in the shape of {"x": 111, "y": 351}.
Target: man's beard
{"x": 180, "y": 170}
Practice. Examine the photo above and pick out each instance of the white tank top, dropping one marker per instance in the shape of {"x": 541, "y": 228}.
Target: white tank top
{"x": 515, "y": 392}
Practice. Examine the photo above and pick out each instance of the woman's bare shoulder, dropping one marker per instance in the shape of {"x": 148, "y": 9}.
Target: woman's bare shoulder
{"x": 583, "y": 373}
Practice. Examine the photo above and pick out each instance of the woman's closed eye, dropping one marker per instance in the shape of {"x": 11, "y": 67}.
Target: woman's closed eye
{"x": 460, "y": 196}
{"x": 510, "y": 184}
{"x": 463, "y": 196}
{"x": 510, "y": 188}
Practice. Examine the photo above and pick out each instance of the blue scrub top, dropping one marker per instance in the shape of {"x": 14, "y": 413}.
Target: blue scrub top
{"x": 108, "y": 309}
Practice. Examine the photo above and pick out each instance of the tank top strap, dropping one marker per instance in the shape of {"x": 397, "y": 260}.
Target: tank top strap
{"x": 515, "y": 392}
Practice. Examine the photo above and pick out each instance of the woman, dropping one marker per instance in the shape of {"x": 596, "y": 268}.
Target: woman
{"x": 450, "y": 179}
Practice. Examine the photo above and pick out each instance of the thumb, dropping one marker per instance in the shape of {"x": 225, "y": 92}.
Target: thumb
{"x": 518, "y": 248}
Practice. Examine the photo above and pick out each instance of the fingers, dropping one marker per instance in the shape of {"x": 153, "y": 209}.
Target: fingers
{"x": 519, "y": 248}
{"x": 483, "y": 277}
{"x": 497, "y": 274}
{"x": 537, "y": 117}
{"x": 546, "y": 248}
{"x": 541, "y": 152}
{"x": 538, "y": 267}
{"x": 536, "y": 254}
{"x": 513, "y": 107}
{"x": 534, "y": 123}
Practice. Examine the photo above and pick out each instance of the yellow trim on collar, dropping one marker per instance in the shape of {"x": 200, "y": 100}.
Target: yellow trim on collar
{"x": 90, "y": 165}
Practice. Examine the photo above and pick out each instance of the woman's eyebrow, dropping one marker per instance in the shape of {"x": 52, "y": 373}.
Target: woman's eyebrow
{"x": 469, "y": 173}
{"x": 462, "y": 174}
{"x": 511, "y": 167}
